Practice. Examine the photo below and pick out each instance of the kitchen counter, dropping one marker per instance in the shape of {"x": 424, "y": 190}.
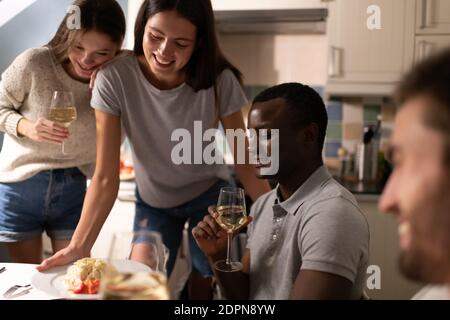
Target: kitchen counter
{"x": 363, "y": 191}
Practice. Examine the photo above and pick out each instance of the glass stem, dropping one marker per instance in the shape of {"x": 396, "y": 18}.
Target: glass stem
{"x": 62, "y": 148}
{"x": 229, "y": 235}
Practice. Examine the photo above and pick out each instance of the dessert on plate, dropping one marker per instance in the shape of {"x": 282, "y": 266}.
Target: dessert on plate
{"x": 83, "y": 277}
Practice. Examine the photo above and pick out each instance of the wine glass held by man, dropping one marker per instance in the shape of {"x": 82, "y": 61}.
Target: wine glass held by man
{"x": 209, "y": 229}
{"x": 231, "y": 215}
{"x": 39, "y": 192}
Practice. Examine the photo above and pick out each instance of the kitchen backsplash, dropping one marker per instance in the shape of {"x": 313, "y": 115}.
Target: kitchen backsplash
{"x": 266, "y": 60}
{"x": 346, "y": 120}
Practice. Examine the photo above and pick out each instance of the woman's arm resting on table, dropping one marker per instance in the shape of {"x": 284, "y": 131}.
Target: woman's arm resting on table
{"x": 100, "y": 196}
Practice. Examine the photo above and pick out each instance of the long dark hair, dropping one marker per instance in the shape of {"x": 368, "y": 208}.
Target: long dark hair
{"x": 207, "y": 60}
{"x": 104, "y": 16}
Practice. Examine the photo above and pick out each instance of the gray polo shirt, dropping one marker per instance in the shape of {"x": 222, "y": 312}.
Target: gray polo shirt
{"x": 320, "y": 227}
{"x": 150, "y": 116}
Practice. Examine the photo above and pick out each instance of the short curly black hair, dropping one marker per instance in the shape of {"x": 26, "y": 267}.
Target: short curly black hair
{"x": 306, "y": 103}
{"x": 431, "y": 78}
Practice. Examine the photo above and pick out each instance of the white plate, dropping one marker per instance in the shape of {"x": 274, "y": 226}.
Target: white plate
{"x": 52, "y": 281}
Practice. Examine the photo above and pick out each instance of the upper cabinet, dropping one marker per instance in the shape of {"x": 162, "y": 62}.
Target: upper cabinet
{"x": 429, "y": 44}
{"x": 366, "y": 58}
{"x": 433, "y": 17}
{"x": 432, "y": 27}
{"x": 267, "y": 4}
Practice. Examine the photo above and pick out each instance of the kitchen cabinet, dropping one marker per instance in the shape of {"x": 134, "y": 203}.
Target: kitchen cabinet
{"x": 432, "y": 27}
{"x": 433, "y": 17}
{"x": 266, "y": 4}
{"x": 364, "y": 61}
{"x": 429, "y": 44}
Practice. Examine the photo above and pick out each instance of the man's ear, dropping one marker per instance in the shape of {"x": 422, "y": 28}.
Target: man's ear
{"x": 310, "y": 133}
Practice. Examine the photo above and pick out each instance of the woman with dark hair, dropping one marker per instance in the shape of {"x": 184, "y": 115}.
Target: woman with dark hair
{"x": 38, "y": 191}
{"x": 177, "y": 78}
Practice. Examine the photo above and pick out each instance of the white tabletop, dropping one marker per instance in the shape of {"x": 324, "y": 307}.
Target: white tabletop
{"x": 21, "y": 274}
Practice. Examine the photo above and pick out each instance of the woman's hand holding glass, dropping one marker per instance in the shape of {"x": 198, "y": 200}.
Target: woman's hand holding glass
{"x": 43, "y": 130}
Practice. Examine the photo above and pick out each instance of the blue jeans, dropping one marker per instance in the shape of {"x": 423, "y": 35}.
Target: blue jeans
{"x": 170, "y": 223}
{"x": 49, "y": 201}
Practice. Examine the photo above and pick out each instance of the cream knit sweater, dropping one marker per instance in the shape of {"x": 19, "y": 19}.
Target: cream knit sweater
{"x": 26, "y": 89}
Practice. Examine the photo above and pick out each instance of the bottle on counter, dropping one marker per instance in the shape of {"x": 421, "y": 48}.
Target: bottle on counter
{"x": 368, "y": 152}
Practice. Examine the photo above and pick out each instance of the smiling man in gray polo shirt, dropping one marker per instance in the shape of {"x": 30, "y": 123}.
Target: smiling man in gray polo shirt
{"x": 307, "y": 239}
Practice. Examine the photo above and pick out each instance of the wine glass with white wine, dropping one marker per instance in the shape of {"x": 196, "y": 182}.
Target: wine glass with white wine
{"x": 63, "y": 111}
{"x": 231, "y": 216}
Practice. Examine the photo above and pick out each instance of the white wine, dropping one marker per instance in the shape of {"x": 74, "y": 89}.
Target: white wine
{"x": 231, "y": 217}
{"x": 136, "y": 286}
{"x": 64, "y": 116}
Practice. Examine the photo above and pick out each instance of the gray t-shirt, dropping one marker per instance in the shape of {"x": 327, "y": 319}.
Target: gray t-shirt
{"x": 149, "y": 117}
{"x": 320, "y": 227}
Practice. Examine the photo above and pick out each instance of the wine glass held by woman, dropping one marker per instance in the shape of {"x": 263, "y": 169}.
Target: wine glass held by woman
{"x": 32, "y": 179}
{"x": 63, "y": 112}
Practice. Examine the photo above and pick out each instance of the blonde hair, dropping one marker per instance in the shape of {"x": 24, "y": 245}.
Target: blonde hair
{"x": 104, "y": 16}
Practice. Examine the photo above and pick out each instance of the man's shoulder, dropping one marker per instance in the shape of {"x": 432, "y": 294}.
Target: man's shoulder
{"x": 333, "y": 193}
{"x": 334, "y": 202}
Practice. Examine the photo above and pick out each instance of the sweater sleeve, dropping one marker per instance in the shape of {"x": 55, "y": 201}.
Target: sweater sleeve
{"x": 15, "y": 84}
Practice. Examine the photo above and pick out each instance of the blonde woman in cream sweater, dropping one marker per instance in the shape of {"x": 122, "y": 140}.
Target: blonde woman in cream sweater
{"x": 39, "y": 192}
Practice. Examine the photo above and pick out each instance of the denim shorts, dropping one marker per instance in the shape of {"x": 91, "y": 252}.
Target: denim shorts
{"x": 170, "y": 223}
{"x": 50, "y": 201}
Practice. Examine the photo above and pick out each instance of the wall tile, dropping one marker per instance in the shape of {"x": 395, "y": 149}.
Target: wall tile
{"x": 371, "y": 113}
{"x": 388, "y": 113}
{"x": 353, "y": 131}
{"x": 334, "y": 131}
{"x": 352, "y": 111}
{"x": 331, "y": 149}
{"x": 334, "y": 110}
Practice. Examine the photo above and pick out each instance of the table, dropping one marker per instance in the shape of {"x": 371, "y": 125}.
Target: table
{"x": 21, "y": 274}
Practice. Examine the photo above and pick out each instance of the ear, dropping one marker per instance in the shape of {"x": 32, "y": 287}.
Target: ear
{"x": 310, "y": 134}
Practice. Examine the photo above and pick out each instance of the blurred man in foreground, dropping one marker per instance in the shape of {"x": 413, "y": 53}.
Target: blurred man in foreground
{"x": 418, "y": 191}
